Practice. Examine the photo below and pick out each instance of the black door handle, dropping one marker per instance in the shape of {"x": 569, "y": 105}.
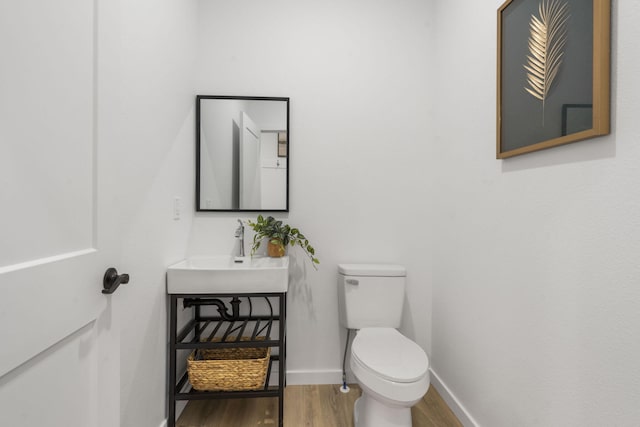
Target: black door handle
{"x": 112, "y": 280}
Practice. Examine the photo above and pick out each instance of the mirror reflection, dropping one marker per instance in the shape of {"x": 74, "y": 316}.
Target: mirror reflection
{"x": 242, "y": 150}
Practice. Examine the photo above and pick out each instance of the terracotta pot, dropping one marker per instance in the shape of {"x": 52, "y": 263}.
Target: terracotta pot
{"x": 275, "y": 250}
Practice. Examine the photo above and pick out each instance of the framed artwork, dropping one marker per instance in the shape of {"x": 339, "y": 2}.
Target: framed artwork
{"x": 553, "y": 73}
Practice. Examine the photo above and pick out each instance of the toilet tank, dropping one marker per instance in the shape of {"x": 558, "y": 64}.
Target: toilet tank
{"x": 370, "y": 295}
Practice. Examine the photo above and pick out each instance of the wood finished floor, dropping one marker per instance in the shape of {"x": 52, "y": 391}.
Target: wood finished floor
{"x": 305, "y": 406}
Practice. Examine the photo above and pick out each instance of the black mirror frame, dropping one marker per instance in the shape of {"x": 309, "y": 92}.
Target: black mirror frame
{"x": 199, "y": 98}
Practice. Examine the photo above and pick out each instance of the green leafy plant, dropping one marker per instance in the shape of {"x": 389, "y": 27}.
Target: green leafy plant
{"x": 280, "y": 234}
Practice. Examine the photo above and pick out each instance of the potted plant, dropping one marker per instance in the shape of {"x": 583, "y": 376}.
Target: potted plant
{"x": 279, "y": 235}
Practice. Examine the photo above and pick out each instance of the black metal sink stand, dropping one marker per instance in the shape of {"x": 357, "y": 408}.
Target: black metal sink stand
{"x": 240, "y": 321}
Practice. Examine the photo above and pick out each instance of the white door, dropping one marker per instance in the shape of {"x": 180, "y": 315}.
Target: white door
{"x": 59, "y": 344}
{"x": 250, "y": 180}
{"x": 274, "y": 185}
{"x": 273, "y": 172}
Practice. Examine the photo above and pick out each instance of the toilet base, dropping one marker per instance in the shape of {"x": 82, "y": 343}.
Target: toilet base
{"x": 368, "y": 412}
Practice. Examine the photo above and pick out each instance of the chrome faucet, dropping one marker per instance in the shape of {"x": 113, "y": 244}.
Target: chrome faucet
{"x": 240, "y": 236}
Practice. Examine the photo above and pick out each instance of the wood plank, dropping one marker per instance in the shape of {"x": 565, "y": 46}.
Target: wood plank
{"x": 305, "y": 406}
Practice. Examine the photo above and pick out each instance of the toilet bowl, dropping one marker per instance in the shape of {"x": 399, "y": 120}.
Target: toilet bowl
{"x": 393, "y": 373}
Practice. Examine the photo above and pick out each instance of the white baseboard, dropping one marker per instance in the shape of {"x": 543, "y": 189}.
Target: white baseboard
{"x": 163, "y": 424}
{"x": 458, "y": 409}
{"x": 314, "y": 377}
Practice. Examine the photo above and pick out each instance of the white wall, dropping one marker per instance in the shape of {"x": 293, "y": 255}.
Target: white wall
{"x": 357, "y": 73}
{"x": 150, "y": 127}
{"x": 535, "y": 287}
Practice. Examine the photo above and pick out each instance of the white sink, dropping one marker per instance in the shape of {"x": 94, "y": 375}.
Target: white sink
{"x": 223, "y": 275}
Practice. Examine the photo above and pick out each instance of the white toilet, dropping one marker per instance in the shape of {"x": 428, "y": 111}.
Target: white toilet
{"x": 392, "y": 370}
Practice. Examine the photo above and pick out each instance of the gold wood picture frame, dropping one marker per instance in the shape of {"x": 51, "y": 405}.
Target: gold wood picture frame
{"x": 553, "y": 55}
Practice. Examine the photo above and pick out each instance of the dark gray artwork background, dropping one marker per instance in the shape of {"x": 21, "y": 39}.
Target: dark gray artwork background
{"x": 521, "y": 112}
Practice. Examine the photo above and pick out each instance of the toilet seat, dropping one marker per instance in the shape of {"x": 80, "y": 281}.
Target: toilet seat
{"x": 390, "y": 367}
{"x": 390, "y": 355}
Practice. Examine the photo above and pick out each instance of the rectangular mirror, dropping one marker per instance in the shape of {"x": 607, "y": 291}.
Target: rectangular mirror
{"x": 242, "y": 153}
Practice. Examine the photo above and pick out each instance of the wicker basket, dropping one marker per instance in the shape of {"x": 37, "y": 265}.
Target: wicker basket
{"x": 228, "y": 369}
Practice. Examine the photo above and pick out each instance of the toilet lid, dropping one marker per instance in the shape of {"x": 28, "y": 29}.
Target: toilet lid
{"x": 389, "y": 354}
